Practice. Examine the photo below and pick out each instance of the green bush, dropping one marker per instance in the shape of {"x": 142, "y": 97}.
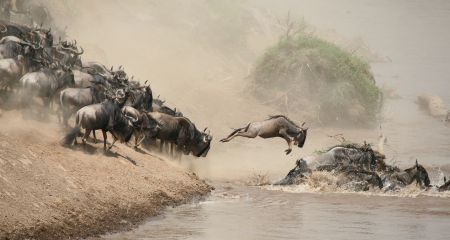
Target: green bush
{"x": 317, "y": 80}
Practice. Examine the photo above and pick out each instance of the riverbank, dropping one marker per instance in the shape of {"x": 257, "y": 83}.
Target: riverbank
{"x": 51, "y": 192}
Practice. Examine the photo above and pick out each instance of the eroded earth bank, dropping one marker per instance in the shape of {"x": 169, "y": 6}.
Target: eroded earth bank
{"x": 51, "y": 192}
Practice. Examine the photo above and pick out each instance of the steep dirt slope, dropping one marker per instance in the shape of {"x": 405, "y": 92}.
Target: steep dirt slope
{"x": 51, "y": 192}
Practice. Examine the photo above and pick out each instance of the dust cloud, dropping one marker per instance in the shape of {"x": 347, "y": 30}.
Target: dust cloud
{"x": 197, "y": 55}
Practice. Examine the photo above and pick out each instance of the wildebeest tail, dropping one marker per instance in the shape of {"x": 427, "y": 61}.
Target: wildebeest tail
{"x": 72, "y": 134}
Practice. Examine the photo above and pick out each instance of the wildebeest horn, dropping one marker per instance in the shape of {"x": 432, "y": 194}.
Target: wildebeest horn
{"x": 67, "y": 48}
{"x": 79, "y": 53}
{"x": 5, "y": 29}
{"x": 120, "y": 67}
{"x": 131, "y": 118}
{"x": 145, "y": 82}
{"x": 302, "y": 124}
{"x": 204, "y": 130}
{"x": 417, "y": 163}
{"x": 111, "y": 68}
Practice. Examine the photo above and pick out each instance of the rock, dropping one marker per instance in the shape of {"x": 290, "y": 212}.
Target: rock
{"x": 433, "y": 105}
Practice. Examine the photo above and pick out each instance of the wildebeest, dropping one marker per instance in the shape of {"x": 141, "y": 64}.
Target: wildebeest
{"x": 45, "y": 84}
{"x": 183, "y": 133}
{"x": 356, "y": 179}
{"x": 445, "y": 186}
{"x": 403, "y": 178}
{"x": 140, "y": 98}
{"x": 43, "y": 37}
{"x": 72, "y": 99}
{"x": 11, "y": 70}
{"x": 94, "y": 68}
{"x": 12, "y": 29}
{"x": 359, "y": 180}
{"x": 106, "y": 116}
{"x": 274, "y": 126}
{"x": 343, "y": 156}
{"x": 144, "y": 126}
{"x": 84, "y": 79}
{"x": 297, "y": 174}
{"x": 159, "y": 106}
{"x": 12, "y": 46}
{"x": 67, "y": 53}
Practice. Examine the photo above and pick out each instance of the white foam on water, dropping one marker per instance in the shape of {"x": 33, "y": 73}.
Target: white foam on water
{"x": 325, "y": 182}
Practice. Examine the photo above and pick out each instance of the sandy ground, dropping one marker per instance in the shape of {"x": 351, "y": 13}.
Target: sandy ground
{"x": 51, "y": 192}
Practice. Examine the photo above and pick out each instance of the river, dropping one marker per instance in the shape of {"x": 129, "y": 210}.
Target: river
{"x": 413, "y": 38}
{"x": 240, "y": 212}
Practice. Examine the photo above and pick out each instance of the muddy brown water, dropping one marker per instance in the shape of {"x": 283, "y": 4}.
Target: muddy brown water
{"x": 413, "y": 39}
{"x": 255, "y": 213}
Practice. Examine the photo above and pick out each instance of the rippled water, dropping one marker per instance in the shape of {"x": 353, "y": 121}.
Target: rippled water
{"x": 254, "y": 213}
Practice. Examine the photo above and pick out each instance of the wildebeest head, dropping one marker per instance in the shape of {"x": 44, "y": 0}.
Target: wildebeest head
{"x": 300, "y": 170}
{"x": 148, "y": 98}
{"x": 421, "y": 175}
{"x": 300, "y": 139}
{"x": 3, "y": 28}
{"x": 201, "y": 143}
{"x": 120, "y": 75}
{"x": 149, "y": 126}
{"x": 65, "y": 76}
{"x": 42, "y": 36}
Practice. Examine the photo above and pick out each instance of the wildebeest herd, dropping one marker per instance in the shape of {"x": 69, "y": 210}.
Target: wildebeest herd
{"x": 34, "y": 66}
{"x": 360, "y": 168}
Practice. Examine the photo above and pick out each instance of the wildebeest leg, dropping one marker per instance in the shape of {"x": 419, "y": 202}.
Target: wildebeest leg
{"x": 235, "y": 133}
{"x": 86, "y": 135}
{"x": 137, "y": 135}
{"x": 286, "y": 137}
{"x": 161, "y": 145}
{"x": 172, "y": 150}
{"x": 95, "y": 137}
{"x": 104, "y": 139}
{"x": 112, "y": 144}
{"x": 140, "y": 141}
{"x": 247, "y": 134}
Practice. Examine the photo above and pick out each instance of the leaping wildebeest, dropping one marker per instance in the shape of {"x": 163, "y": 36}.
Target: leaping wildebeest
{"x": 274, "y": 126}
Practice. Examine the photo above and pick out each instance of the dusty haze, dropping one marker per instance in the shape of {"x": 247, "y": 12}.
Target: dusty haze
{"x": 197, "y": 55}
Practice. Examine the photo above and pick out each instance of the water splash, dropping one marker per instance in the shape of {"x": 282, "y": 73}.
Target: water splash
{"x": 326, "y": 182}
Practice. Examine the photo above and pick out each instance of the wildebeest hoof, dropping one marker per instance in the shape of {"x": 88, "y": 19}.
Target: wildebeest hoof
{"x": 223, "y": 140}
{"x": 288, "y": 151}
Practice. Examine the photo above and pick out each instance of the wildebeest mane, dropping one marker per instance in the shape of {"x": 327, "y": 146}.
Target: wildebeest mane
{"x": 287, "y": 119}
